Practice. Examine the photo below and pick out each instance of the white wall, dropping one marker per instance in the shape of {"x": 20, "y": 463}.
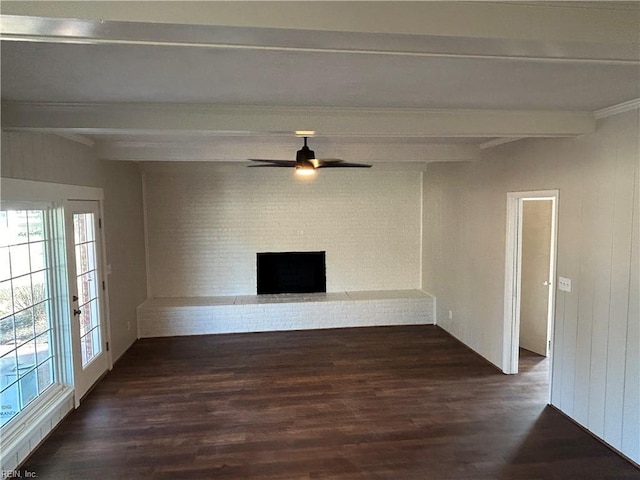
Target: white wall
{"x": 205, "y": 224}
{"x": 596, "y": 374}
{"x": 48, "y": 158}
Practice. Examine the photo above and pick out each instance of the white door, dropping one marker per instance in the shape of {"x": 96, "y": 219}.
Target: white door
{"x": 84, "y": 247}
{"x": 535, "y": 275}
{"x": 513, "y": 275}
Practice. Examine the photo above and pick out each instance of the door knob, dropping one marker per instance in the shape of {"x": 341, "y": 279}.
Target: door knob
{"x": 546, "y": 283}
{"x": 76, "y": 311}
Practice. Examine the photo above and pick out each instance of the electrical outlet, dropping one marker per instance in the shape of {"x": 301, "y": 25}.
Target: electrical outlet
{"x": 128, "y": 325}
{"x": 450, "y": 315}
{"x": 564, "y": 284}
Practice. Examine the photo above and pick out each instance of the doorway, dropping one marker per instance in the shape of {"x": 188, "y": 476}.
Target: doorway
{"x": 535, "y": 275}
{"x": 86, "y": 287}
{"x": 530, "y": 272}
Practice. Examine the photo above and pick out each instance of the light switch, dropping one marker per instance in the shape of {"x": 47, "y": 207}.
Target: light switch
{"x": 564, "y": 284}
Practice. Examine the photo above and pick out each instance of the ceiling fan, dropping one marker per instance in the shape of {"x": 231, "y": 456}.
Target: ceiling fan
{"x": 306, "y": 162}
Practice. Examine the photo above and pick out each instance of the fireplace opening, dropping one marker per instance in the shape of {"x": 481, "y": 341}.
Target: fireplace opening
{"x": 291, "y": 272}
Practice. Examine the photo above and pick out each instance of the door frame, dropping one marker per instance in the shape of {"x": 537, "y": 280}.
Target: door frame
{"x": 104, "y": 293}
{"x": 513, "y": 259}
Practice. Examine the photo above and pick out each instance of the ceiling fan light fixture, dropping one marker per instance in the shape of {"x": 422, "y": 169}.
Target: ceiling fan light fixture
{"x": 305, "y": 170}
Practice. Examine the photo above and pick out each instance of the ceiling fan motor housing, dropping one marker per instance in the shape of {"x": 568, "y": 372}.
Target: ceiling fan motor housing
{"x": 304, "y": 155}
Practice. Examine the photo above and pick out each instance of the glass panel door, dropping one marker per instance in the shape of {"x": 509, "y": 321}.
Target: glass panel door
{"x": 87, "y": 286}
{"x": 88, "y": 329}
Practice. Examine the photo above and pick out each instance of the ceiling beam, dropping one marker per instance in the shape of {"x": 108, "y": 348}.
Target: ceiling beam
{"x": 77, "y": 138}
{"x": 100, "y": 32}
{"x": 498, "y": 141}
{"x": 85, "y": 119}
{"x": 239, "y": 149}
{"x": 617, "y": 109}
{"x": 544, "y": 21}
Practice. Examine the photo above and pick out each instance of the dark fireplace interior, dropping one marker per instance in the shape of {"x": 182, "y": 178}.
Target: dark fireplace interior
{"x": 291, "y": 272}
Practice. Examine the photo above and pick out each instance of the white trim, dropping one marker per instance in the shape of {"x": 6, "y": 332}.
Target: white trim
{"x": 511, "y": 326}
{"x": 499, "y": 141}
{"x": 29, "y": 190}
{"x": 345, "y": 50}
{"x": 105, "y": 278}
{"x": 421, "y": 248}
{"x": 25, "y": 205}
{"x": 509, "y": 282}
{"x": 616, "y": 109}
{"x": 145, "y": 226}
{"x": 74, "y": 137}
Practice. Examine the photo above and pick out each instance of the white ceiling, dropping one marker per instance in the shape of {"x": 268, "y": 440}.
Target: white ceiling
{"x": 382, "y": 80}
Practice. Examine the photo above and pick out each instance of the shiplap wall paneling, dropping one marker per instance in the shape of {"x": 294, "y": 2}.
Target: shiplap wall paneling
{"x": 595, "y": 352}
{"x": 631, "y": 408}
{"x": 587, "y": 283}
{"x": 572, "y": 171}
{"x": 50, "y": 158}
{"x": 623, "y": 201}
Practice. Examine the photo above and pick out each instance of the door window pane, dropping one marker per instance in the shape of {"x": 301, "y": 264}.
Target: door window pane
{"x": 28, "y": 385}
{"x": 87, "y": 283}
{"x": 9, "y": 400}
{"x": 19, "y": 255}
{"x": 6, "y": 299}
{"x": 86, "y": 343}
{"x": 36, "y": 251}
{"x": 45, "y": 375}
{"x": 35, "y": 220}
{"x": 43, "y": 353}
{"x": 7, "y": 332}
{"x": 4, "y": 229}
{"x": 5, "y": 264}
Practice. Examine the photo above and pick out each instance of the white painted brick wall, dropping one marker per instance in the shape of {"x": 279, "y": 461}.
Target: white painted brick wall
{"x": 207, "y": 222}
{"x": 201, "y": 316}
{"x": 16, "y": 450}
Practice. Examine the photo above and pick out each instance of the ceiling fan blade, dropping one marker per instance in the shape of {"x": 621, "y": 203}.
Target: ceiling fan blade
{"x": 343, "y": 165}
{"x": 328, "y": 160}
{"x": 305, "y": 160}
{"x": 269, "y": 165}
{"x": 273, "y": 163}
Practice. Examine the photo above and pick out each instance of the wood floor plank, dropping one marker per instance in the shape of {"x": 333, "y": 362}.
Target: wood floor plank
{"x": 405, "y": 402}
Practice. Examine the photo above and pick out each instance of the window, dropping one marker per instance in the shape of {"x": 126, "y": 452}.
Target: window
{"x": 27, "y": 366}
{"x": 87, "y": 280}
{"x": 42, "y": 375}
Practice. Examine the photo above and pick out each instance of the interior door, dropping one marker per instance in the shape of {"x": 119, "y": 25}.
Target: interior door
{"x": 535, "y": 279}
{"x": 89, "y": 342}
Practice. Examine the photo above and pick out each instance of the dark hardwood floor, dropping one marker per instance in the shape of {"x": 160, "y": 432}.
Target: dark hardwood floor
{"x": 363, "y": 403}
